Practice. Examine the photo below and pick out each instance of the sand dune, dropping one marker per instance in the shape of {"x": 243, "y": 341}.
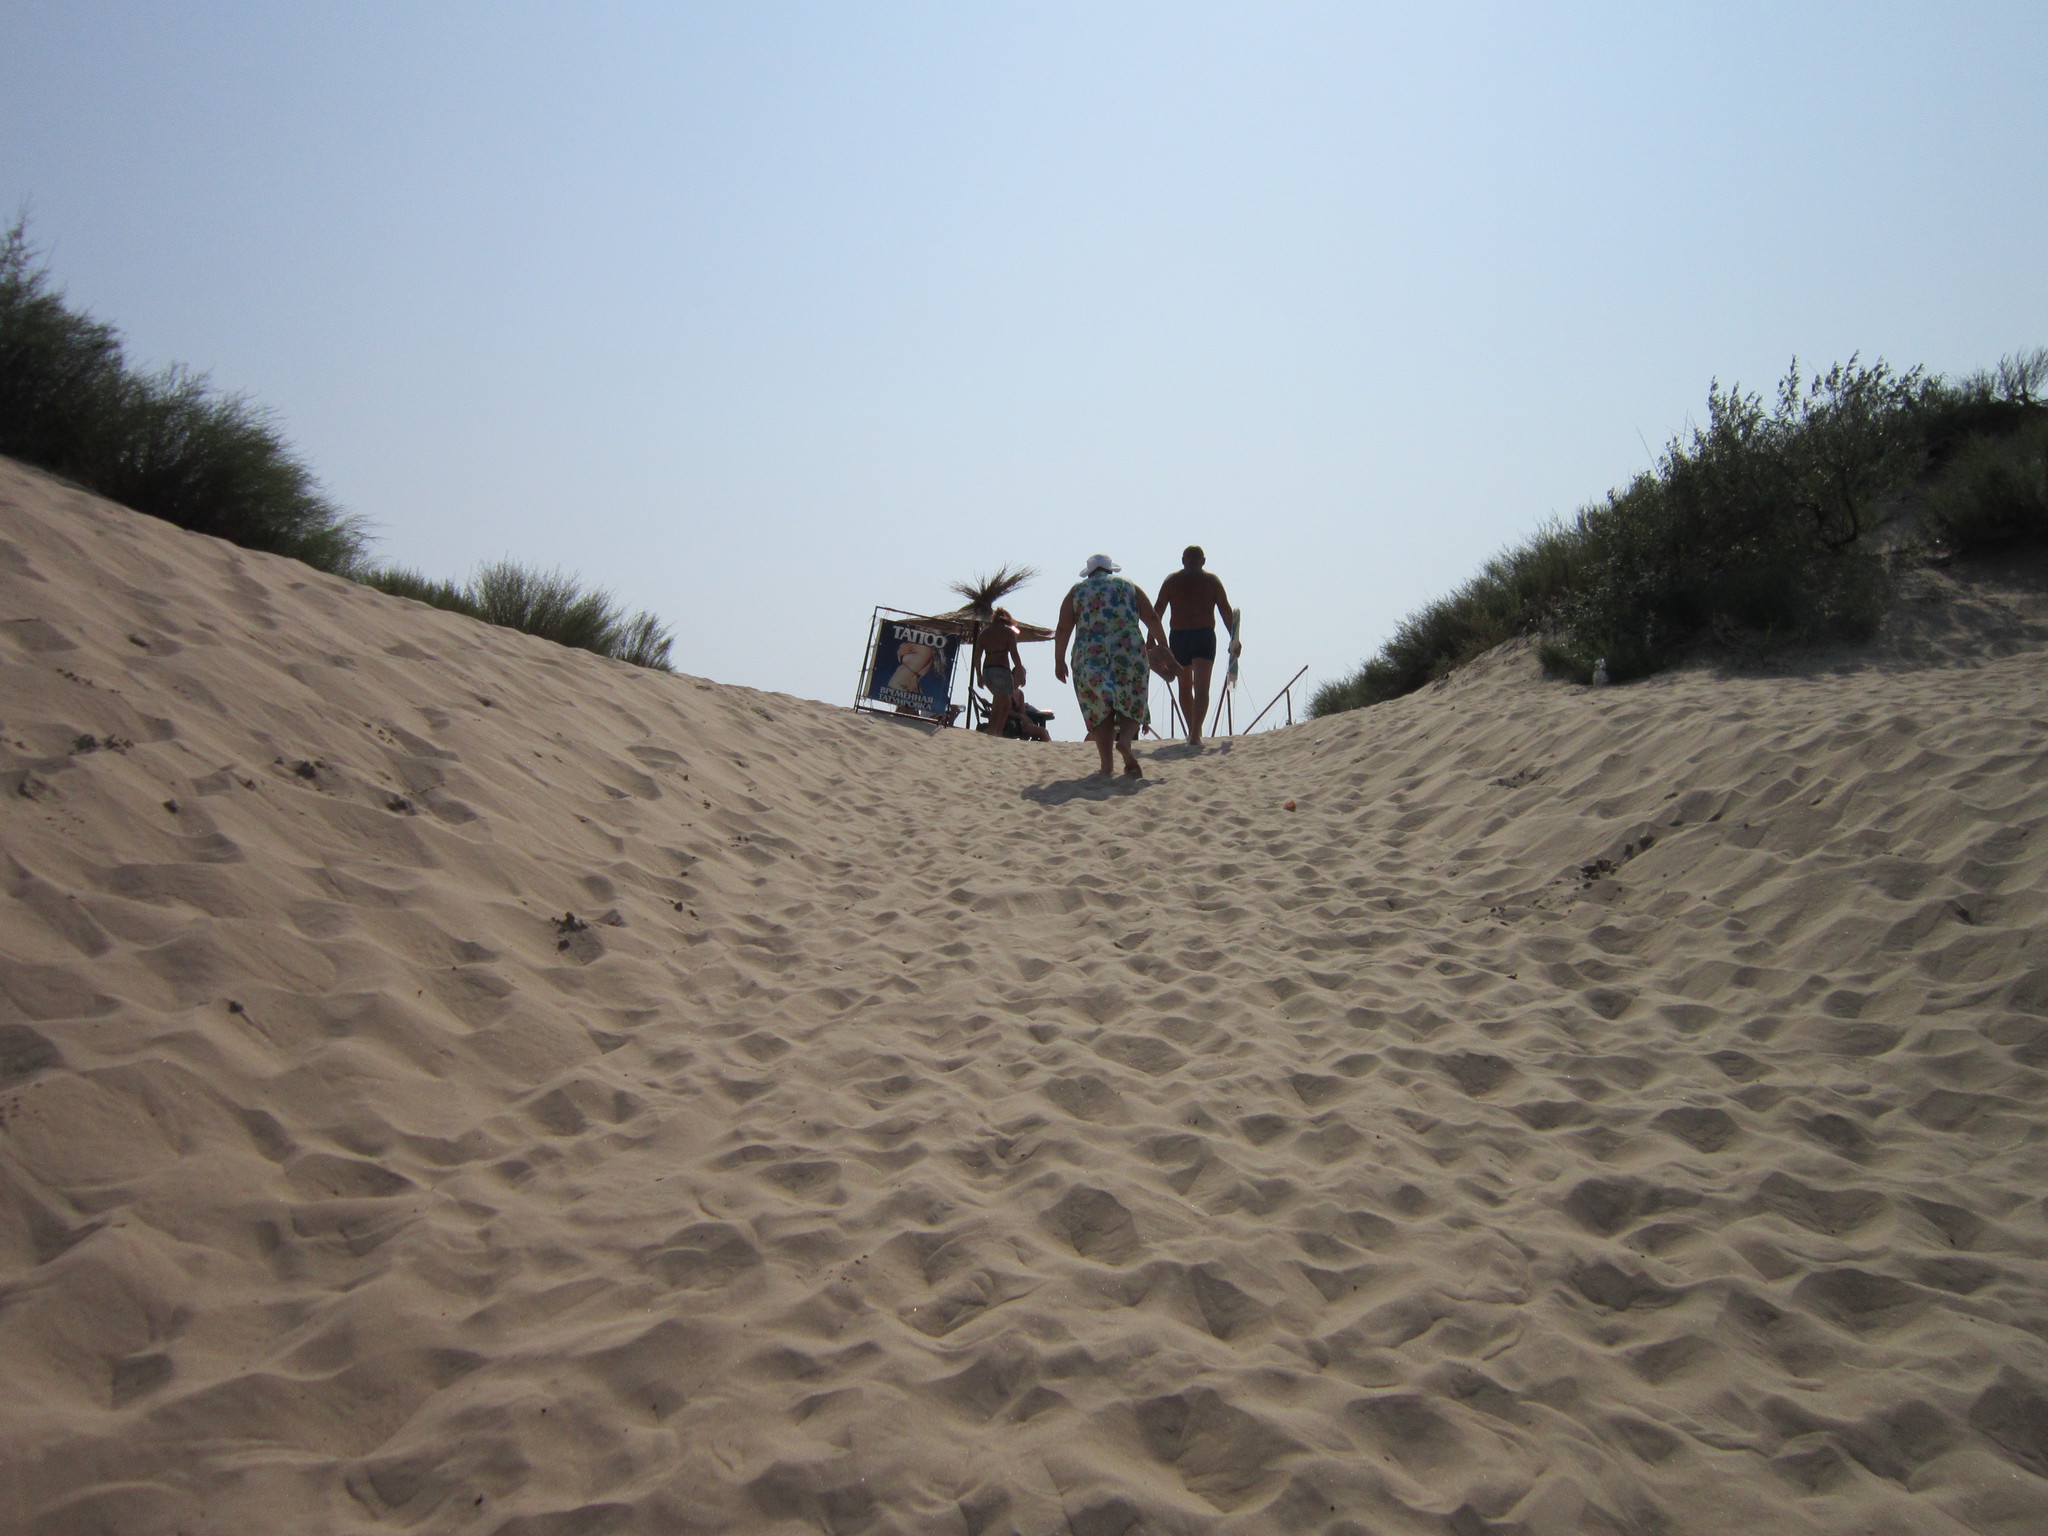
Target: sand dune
{"x": 449, "y": 1083}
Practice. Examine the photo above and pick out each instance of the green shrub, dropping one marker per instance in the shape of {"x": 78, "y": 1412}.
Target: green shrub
{"x": 1513, "y": 594}
{"x": 401, "y": 581}
{"x": 171, "y": 445}
{"x": 1994, "y": 491}
{"x": 1987, "y": 404}
{"x": 164, "y": 443}
{"x": 58, "y": 368}
{"x": 643, "y": 640}
{"x": 1751, "y": 533}
{"x": 551, "y": 604}
{"x": 547, "y": 603}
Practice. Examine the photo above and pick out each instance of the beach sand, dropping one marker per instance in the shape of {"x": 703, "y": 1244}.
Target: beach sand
{"x": 450, "y": 1083}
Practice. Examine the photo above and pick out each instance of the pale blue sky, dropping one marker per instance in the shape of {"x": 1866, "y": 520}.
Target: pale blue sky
{"x": 765, "y": 313}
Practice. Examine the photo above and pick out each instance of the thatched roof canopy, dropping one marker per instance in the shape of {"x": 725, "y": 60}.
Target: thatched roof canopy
{"x": 967, "y": 624}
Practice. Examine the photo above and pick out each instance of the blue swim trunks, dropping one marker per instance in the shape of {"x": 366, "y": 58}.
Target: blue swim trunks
{"x": 1191, "y": 645}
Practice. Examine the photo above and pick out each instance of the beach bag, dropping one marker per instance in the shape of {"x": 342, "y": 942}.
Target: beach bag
{"x": 1160, "y": 658}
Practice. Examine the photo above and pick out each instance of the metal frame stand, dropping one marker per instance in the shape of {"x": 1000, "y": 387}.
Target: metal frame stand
{"x": 1287, "y": 693}
{"x": 1172, "y": 709}
{"x": 1226, "y": 706}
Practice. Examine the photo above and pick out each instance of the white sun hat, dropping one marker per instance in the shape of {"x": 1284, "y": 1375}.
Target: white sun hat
{"x": 1099, "y": 563}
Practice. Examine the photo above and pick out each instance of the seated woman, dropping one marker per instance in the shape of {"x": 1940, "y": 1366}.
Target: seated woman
{"x": 1024, "y": 723}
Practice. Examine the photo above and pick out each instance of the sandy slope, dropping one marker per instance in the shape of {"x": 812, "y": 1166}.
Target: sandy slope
{"x": 1587, "y": 1111}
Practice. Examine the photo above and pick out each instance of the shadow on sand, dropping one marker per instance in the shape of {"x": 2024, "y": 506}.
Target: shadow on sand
{"x": 1092, "y": 787}
{"x": 1180, "y": 751}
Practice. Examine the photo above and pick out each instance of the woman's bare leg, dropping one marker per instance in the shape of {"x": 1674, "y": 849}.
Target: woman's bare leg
{"x": 1101, "y": 737}
{"x": 1127, "y": 732}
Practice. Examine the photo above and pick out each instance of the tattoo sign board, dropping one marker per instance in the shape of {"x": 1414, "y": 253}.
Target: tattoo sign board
{"x": 909, "y": 668}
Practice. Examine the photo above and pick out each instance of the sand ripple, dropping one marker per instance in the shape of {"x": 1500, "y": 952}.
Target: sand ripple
{"x": 452, "y": 1084}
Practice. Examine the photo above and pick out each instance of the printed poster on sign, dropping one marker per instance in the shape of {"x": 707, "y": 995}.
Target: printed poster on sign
{"x": 912, "y": 669}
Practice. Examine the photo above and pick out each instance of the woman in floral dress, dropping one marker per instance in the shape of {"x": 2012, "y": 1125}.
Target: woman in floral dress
{"x": 1107, "y": 618}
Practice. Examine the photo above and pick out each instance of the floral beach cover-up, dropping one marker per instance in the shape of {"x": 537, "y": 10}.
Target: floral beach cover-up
{"x": 1110, "y": 671}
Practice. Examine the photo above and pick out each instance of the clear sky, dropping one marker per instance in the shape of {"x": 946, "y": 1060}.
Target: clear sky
{"x": 764, "y": 313}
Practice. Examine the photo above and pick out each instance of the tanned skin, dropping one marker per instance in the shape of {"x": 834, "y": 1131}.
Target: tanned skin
{"x": 1032, "y": 730}
{"x": 997, "y": 640}
{"x": 1116, "y": 728}
{"x": 1192, "y": 598}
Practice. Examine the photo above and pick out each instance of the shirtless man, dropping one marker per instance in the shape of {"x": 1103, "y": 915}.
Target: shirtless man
{"x": 1191, "y": 598}
{"x": 1000, "y": 668}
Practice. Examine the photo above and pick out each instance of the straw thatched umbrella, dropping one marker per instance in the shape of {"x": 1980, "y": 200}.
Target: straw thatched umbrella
{"x": 984, "y": 592}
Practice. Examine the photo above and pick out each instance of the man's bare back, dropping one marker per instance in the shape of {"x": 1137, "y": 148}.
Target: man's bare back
{"x": 1192, "y": 600}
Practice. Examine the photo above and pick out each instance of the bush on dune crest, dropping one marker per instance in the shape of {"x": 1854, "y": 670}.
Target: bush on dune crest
{"x": 171, "y": 445}
{"x": 402, "y": 581}
{"x": 1514, "y": 593}
{"x": 1752, "y": 533}
{"x": 1996, "y": 492}
{"x": 558, "y": 608}
{"x": 551, "y": 604}
{"x": 165, "y": 443}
